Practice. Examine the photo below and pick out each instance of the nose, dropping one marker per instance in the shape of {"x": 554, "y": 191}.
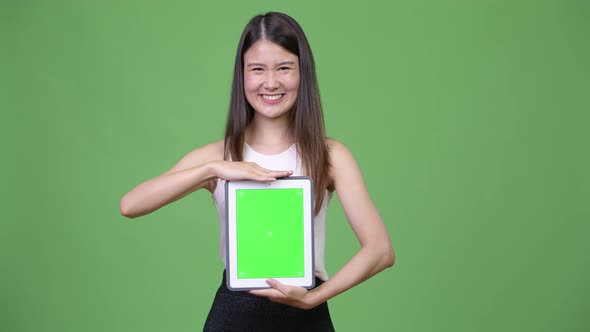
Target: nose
{"x": 270, "y": 81}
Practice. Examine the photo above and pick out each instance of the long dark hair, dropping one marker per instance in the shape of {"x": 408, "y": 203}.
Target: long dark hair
{"x": 306, "y": 118}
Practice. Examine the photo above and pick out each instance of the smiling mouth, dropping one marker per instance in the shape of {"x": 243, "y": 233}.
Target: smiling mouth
{"x": 273, "y": 97}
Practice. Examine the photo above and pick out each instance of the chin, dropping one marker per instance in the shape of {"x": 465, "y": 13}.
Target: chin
{"x": 272, "y": 114}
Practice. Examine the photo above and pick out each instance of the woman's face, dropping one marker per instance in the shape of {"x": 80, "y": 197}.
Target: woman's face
{"x": 271, "y": 78}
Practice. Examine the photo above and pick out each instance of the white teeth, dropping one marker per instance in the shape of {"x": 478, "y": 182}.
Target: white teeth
{"x": 272, "y": 97}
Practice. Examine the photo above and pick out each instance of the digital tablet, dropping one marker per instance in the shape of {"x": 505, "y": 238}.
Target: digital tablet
{"x": 269, "y": 233}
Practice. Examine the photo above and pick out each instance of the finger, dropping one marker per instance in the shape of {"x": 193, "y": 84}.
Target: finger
{"x": 270, "y": 175}
{"x": 278, "y": 286}
{"x": 273, "y": 171}
{"x": 259, "y": 174}
{"x": 264, "y": 178}
{"x": 279, "y": 174}
{"x": 266, "y": 293}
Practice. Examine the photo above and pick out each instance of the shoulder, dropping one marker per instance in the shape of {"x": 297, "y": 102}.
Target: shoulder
{"x": 213, "y": 150}
{"x": 208, "y": 152}
{"x": 337, "y": 151}
{"x": 199, "y": 156}
{"x": 341, "y": 160}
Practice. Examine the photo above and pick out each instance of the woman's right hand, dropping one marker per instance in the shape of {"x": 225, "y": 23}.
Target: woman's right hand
{"x": 242, "y": 170}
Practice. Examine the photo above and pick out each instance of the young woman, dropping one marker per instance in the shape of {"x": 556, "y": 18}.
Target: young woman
{"x": 275, "y": 128}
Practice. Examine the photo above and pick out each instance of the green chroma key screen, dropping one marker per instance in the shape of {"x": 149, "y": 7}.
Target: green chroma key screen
{"x": 269, "y": 231}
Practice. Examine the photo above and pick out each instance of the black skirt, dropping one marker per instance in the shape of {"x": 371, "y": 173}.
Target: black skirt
{"x": 241, "y": 311}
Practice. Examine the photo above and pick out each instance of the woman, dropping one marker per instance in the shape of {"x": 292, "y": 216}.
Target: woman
{"x": 275, "y": 128}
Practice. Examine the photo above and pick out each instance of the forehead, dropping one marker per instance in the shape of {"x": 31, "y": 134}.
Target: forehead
{"x": 264, "y": 51}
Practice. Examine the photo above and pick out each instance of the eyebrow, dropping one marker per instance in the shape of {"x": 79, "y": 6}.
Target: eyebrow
{"x": 262, "y": 65}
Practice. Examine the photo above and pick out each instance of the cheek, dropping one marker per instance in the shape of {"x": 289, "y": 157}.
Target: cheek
{"x": 295, "y": 84}
{"x": 248, "y": 83}
{"x": 250, "y": 89}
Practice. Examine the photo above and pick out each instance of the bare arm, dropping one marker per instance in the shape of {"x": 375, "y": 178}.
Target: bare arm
{"x": 198, "y": 169}
{"x": 191, "y": 173}
{"x": 376, "y": 251}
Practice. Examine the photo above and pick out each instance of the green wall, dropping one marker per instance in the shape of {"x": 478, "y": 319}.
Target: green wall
{"x": 469, "y": 120}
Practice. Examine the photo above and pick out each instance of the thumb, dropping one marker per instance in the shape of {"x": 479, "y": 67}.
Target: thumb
{"x": 278, "y": 286}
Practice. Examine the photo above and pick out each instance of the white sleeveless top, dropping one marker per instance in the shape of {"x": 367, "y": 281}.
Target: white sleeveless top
{"x": 286, "y": 160}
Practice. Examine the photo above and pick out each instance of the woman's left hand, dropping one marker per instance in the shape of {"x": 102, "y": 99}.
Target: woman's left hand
{"x": 294, "y": 296}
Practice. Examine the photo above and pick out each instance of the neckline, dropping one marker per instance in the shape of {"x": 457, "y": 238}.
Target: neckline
{"x": 269, "y": 155}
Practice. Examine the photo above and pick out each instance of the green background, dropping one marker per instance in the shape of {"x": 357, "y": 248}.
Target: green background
{"x": 269, "y": 233}
{"x": 469, "y": 120}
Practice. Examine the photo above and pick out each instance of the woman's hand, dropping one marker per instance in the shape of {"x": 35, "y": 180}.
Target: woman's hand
{"x": 294, "y": 296}
{"x": 240, "y": 170}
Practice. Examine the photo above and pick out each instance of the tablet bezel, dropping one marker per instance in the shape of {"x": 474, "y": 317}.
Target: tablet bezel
{"x": 294, "y": 182}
